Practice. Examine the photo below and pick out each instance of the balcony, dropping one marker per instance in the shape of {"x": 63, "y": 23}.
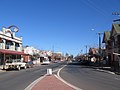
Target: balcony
{"x": 9, "y": 47}
{"x": 18, "y": 49}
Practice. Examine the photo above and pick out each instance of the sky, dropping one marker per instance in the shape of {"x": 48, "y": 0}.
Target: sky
{"x": 66, "y": 26}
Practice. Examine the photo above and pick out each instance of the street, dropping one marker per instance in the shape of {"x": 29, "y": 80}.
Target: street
{"x": 83, "y": 77}
{"x": 19, "y": 80}
{"x": 87, "y": 78}
{"x": 60, "y": 45}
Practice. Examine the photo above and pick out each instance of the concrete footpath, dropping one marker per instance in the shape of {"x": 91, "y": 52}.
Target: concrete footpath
{"x": 49, "y": 82}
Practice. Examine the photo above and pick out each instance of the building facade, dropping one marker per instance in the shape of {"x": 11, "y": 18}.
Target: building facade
{"x": 108, "y": 47}
{"x": 31, "y": 53}
{"x": 10, "y": 45}
{"x": 112, "y": 42}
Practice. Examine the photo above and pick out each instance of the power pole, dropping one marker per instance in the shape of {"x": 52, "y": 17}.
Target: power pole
{"x": 99, "y": 35}
{"x": 53, "y": 55}
{"x": 116, "y": 13}
{"x": 86, "y": 52}
{"x": 86, "y": 49}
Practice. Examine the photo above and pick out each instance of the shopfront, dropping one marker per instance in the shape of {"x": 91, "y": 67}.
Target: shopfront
{"x": 6, "y": 55}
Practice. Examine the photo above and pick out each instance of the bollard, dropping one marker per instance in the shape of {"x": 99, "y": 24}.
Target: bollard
{"x": 49, "y": 71}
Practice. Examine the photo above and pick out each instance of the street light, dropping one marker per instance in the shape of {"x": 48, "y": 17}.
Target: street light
{"x": 99, "y": 37}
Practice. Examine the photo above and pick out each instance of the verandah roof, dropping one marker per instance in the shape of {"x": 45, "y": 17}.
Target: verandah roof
{"x": 11, "y": 52}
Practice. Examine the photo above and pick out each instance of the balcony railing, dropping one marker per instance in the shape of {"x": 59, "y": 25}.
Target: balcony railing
{"x": 10, "y": 47}
{"x": 18, "y": 49}
{"x": 1, "y": 45}
{"x": 7, "y": 46}
{"x": 13, "y": 48}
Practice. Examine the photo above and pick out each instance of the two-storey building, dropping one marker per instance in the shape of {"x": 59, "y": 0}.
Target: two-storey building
{"x": 107, "y": 41}
{"x": 10, "y": 45}
{"x": 112, "y": 42}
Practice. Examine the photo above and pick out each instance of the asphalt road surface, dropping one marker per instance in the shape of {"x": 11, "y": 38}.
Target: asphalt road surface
{"x": 19, "y": 80}
{"x": 89, "y": 79}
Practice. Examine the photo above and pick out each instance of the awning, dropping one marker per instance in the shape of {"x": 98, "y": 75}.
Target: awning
{"x": 11, "y": 52}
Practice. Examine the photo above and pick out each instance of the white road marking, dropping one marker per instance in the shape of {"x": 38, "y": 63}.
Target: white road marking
{"x": 105, "y": 71}
{"x": 34, "y": 83}
{"x": 37, "y": 80}
{"x": 58, "y": 76}
{"x": 55, "y": 70}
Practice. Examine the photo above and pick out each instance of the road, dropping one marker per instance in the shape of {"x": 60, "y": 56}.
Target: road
{"x": 87, "y": 78}
{"x": 19, "y": 80}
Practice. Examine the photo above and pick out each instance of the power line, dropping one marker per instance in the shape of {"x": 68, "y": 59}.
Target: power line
{"x": 93, "y": 5}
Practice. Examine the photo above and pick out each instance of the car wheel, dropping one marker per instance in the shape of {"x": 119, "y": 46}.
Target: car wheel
{"x": 19, "y": 68}
{"x": 25, "y": 67}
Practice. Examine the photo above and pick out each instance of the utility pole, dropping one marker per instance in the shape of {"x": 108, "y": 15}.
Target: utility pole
{"x": 99, "y": 35}
{"x": 86, "y": 49}
{"x": 116, "y": 13}
{"x": 53, "y": 56}
{"x": 86, "y": 52}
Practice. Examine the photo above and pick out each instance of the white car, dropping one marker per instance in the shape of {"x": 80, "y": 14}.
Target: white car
{"x": 15, "y": 64}
{"x": 45, "y": 62}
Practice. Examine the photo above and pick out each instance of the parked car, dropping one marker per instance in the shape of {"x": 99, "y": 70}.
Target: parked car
{"x": 15, "y": 64}
{"x": 45, "y": 62}
{"x": 84, "y": 62}
{"x": 56, "y": 61}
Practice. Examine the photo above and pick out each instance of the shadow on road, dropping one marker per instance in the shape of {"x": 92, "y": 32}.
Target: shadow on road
{"x": 89, "y": 66}
{"x": 75, "y": 63}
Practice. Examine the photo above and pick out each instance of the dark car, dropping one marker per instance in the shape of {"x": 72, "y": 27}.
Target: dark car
{"x": 84, "y": 62}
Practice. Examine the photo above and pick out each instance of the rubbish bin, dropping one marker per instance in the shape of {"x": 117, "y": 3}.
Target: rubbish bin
{"x": 49, "y": 71}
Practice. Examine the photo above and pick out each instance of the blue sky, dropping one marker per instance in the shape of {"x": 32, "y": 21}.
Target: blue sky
{"x": 65, "y": 24}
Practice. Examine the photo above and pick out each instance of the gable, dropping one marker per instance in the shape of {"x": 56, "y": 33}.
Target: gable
{"x": 117, "y": 28}
{"x": 106, "y": 36}
{"x": 113, "y": 31}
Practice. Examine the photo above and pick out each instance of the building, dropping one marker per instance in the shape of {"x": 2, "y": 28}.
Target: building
{"x": 112, "y": 42}
{"x": 36, "y": 54}
{"x": 10, "y": 45}
{"x": 94, "y": 53}
{"x": 57, "y": 56}
{"x": 45, "y": 55}
{"x": 107, "y": 41}
{"x": 31, "y": 53}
